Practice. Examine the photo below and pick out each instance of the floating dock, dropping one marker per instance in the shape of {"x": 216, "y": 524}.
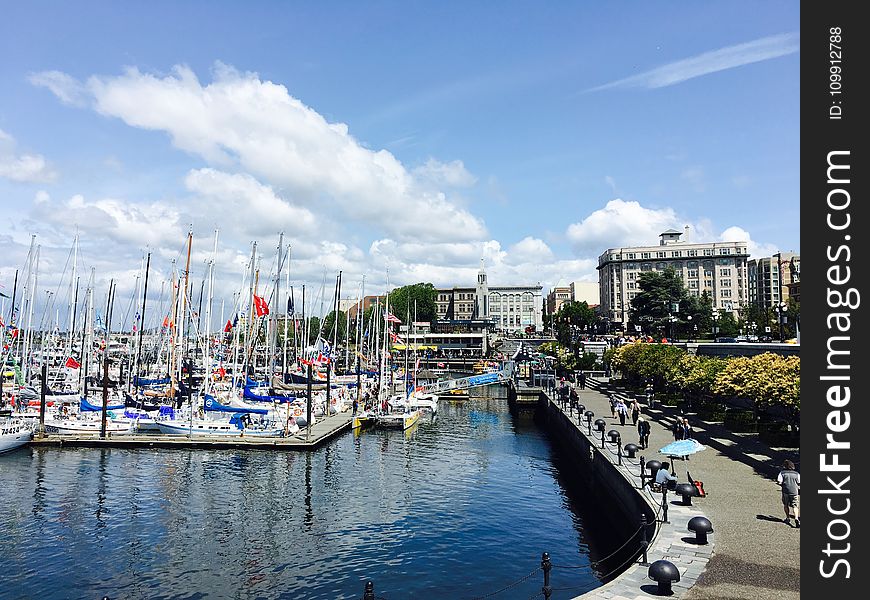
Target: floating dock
{"x": 322, "y": 431}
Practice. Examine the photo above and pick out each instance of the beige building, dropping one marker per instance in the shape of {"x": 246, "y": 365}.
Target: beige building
{"x": 509, "y": 308}
{"x": 586, "y": 291}
{"x": 559, "y": 295}
{"x": 717, "y": 267}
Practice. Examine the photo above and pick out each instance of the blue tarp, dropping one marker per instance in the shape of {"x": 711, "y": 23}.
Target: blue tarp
{"x": 86, "y": 406}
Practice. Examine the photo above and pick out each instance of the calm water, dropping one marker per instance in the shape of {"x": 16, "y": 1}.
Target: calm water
{"x": 456, "y": 508}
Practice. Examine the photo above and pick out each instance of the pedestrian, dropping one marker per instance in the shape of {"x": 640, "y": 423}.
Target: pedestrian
{"x": 613, "y": 407}
{"x": 563, "y": 392}
{"x": 582, "y": 380}
{"x": 575, "y": 400}
{"x": 688, "y": 432}
{"x": 635, "y": 411}
{"x": 790, "y": 482}
{"x": 677, "y": 429}
{"x": 622, "y": 410}
{"x": 643, "y": 430}
{"x": 649, "y": 395}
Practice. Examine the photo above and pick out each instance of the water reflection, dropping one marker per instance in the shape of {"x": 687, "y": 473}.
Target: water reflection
{"x": 470, "y": 499}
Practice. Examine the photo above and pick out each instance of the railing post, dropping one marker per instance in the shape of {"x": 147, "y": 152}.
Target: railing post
{"x": 619, "y": 451}
{"x": 644, "y": 544}
{"x": 369, "y": 593}
{"x": 546, "y": 566}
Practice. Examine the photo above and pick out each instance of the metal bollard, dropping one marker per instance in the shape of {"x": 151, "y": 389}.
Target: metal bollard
{"x": 370, "y": 591}
{"x": 546, "y": 566}
{"x": 644, "y": 544}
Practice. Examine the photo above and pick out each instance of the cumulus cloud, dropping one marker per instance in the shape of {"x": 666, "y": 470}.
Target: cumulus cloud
{"x": 243, "y": 122}
{"x": 621, "y": 223}
{"x": 530, "y": 249}
{"x": 25, "y": 168}
{"x": 452, "y": 174}
{"x": 756, "y": 249}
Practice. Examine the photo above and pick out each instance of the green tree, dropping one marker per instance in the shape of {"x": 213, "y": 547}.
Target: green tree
{"x": 329, "y": 321}
{"x": 420, "y": 297}
{"x": 661, "y": 303}
{"x": 727, "y": 324}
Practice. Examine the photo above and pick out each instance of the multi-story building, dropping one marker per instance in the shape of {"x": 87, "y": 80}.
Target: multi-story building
{"x": 716, "y": 267}
{"x": 559, "y": 295}
{"x": 770, "y": 278}
{"x": 586, "y": 291}
{"x": 508, "y": 308}
{"x": 367, "y": 302}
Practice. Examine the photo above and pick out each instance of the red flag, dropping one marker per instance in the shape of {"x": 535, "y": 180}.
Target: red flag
{"x": 72, "y": 363}
{"x": 167, "y": 322}
{"x": 260, "y": 305}
{"x": 228, "y": 327}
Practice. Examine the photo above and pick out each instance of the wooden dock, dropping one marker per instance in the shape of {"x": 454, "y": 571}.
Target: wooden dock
{"x": 322, "y": 431}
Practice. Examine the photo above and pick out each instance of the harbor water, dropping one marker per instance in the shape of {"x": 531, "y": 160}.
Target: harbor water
{"x": 460, "y": 506}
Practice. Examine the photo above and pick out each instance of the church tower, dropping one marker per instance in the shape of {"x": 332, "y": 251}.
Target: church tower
{"x": 481, "y": 295}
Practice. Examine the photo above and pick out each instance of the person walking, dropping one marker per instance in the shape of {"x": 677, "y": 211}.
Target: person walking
{"x": 643, "y": 430}
{"x": 790, "y": 482}
{"x": 677, "y": 429}
{"x": 574, "y": 401}
{"x": 650, "y": 401}
{"x": 622, "y": 410}
{"x": 563, "y": 392}
{"x": 582, "y": 380}
{"x": 613, "y": 406}
{"x": 635, "y": 411}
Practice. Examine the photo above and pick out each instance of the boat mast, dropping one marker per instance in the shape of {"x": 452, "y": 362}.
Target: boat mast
{"x": 142, "y": 326}
{"x": 207, "y": 352}
{"x": 273, "y": 314}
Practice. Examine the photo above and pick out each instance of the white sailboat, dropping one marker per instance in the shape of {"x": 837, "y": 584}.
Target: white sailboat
{"x": 13, "y": 434}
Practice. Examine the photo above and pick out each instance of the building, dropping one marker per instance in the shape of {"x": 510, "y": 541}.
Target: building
{"x": 367, "y": 302}
{"x": 508, "y": 308}
{"x": 586, "y": 291}
{"x": 716, "y": 267}
{"x": 770, "y": 278}
{"x": 559, "y": 295}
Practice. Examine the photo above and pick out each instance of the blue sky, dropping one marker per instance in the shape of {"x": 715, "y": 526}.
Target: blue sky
{"x": 417, "y": 137}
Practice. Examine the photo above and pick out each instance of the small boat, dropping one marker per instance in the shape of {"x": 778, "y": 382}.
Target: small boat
{"x": 237, "y": 426}
{"x": 13, "y": 434}
{"x": 399, "y": 420}
{"x": 74, "y": 425}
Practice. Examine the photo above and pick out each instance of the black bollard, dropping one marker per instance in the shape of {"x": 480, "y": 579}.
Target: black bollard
{"x": 644, "y": 544}
{"x": 369, "y": 593}
{"x": 546, "y": 566}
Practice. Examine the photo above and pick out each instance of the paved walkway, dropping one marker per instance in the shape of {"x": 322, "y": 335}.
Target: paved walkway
{"x": 756, "y": 556}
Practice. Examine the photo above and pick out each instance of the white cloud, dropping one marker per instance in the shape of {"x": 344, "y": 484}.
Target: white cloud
{"x": 452, "y": 174}
{"x": 530, "y": 249}
{"x": 68, "y": 89}
{"x": 710, "y": 62}
{"x": 241, "y": 122}
{"x": 25, "y": 168}
{"x": 756, "y": 249}
{"x": 621, "y": 223}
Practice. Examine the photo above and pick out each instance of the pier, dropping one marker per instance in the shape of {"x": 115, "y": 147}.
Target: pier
{"x": 306, "y": 439}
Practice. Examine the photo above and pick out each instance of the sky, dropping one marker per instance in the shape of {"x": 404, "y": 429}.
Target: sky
{"x": 398, "y": 142}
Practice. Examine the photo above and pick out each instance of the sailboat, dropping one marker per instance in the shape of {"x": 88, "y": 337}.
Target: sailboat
{"x": 13, "y": 434}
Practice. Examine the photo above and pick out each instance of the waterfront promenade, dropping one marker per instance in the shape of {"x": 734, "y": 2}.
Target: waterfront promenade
{"x": 755, "y": 555}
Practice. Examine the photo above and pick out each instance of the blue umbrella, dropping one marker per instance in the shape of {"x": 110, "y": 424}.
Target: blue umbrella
{"x": 682, "y": 448}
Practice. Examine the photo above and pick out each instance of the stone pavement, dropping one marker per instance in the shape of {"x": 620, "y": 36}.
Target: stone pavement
{"x": 755, "y": 555}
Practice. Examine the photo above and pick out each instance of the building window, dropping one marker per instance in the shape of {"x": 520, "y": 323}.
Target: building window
{"x": 726, "y": 293}
{"x": 725, "y": 272}
{"x": 630, "y": 285}
{"x": 708, "y": 252}
{"x": 677, "y": 253}
{"x": 646, "y": 267}
{"x": 630, "y": 276}
{"x": 661, "y": 254}
{"x": 660, "y": 266}
{"x": 724, "y": 250}
{"x": 724, "y": 261}
{"x": 693, "y": 273}
{"x": 630, "y": 255}
{"x": 726, "y": 283}
{"x": 691, "y": 253}
{"x": 693, "y": 285}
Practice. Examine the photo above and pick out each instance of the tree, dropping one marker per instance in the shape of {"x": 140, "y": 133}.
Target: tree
{"x": 661, "y": 300}
{"x": 328, "y": 322}
{"x": 419, "y": 296}
{"x": 571, "y": 318}
{"x": 727, "y": 324}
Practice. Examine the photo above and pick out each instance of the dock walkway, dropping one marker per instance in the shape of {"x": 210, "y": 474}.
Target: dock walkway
{"x": 755, "y": 555}
{"x": 323, "y": 430}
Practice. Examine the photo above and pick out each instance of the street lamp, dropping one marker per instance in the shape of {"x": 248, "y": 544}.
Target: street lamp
{"x": 781, "y": 310}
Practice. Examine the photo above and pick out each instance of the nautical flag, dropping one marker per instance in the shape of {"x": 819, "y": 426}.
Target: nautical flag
{"x": 228, "y": 327}
{"x": 391, "y": 317}
{"x": 72, "y": 363}
{"x": 290, "y": 310}
{"x": 260, "y": 305}
{"x": 395, "y": 337}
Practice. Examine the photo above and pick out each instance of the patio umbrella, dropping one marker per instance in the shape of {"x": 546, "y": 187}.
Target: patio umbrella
{"x": 682, "y": 447}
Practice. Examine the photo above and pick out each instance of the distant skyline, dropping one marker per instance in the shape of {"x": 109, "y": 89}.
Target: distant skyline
{"x": 409, "y": 138}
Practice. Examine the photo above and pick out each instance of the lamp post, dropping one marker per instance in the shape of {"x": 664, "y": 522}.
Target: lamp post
{"x": 781, "y": 309}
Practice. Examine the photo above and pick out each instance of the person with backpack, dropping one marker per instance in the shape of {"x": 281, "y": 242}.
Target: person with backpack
{"x": 643, "y": 431}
